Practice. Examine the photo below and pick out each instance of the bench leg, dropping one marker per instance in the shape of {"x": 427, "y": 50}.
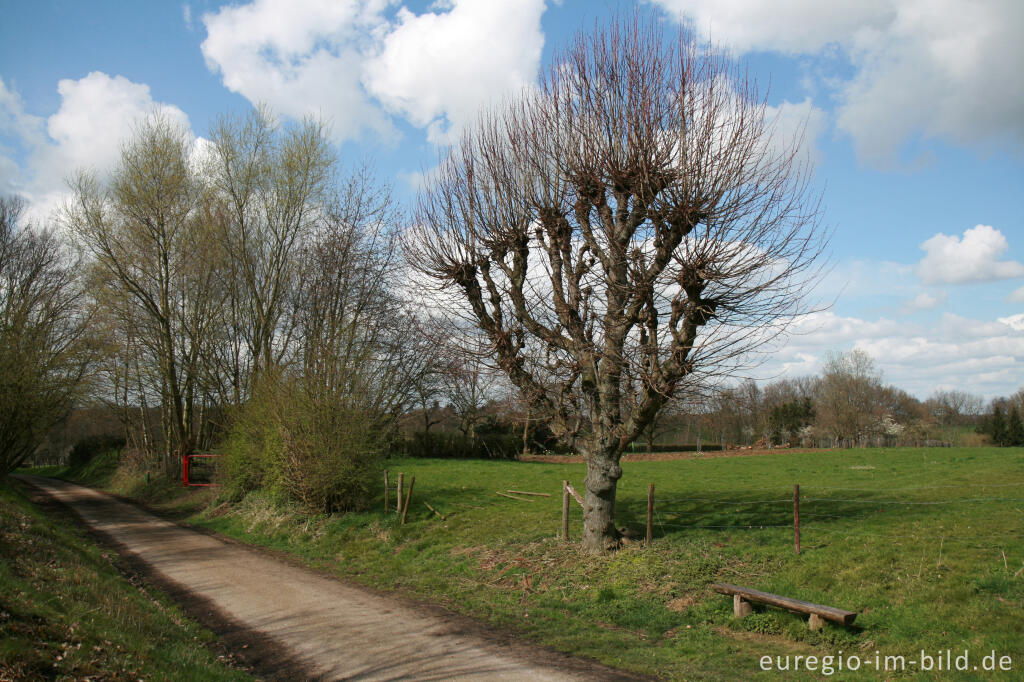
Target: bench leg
{"x": 816, "y": 622}
{"x": 740, "y": 606}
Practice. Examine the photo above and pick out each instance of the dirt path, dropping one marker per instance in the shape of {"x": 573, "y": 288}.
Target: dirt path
{"x": 298, "y": 622}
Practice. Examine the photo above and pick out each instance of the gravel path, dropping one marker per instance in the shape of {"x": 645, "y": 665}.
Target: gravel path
{"x": 301, "y": 622}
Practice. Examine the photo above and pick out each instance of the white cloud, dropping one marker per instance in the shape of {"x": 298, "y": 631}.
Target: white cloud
{"x": 96, "y": 114}
{"x": 939, "y": 68}
{"x": 924, "y": 301}
{"x": 977, "y": 356}
{"x": 438, "y": 68}
{"x": 300, "y": 57}
{"x": 974, "y": 258}
{"x": 797, "y": 121}
{"x": 1015, "y": 322}
{"x": 346, "y": 61}
{"x": 1016, "y": 296}
{"x": 794, "y": 26}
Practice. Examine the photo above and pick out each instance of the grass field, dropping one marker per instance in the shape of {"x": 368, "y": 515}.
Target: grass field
{"x": 68, "y": 613}
{"x": 927, "y": 544}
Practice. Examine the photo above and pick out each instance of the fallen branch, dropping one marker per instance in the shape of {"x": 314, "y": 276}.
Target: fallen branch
{"x": 443, "y": 517}
{"x": 523, "y": 492}
{"x": 511, "y": 497}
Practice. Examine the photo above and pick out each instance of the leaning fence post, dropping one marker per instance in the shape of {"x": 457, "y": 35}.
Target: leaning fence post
{"x": 408, "y": 496}
{"x": 398, "y": 500}
{"x": 650, "y": 514}
{"x": 796, "y": 516}
{"x": 565, "y": 511}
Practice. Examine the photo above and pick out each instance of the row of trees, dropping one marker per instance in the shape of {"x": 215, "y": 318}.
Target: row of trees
{"x": 211, "y": 266}
{"x": 847, "y": 405}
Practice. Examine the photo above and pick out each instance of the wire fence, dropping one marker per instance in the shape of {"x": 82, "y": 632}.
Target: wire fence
{"x": 842, "y": 511}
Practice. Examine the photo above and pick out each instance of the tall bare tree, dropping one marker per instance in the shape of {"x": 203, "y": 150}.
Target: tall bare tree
{"x": 630, "y": 226}
{"x": 273, "y": 184}
{"x": 45, "y": 351}
{"x": 144, "y": 231}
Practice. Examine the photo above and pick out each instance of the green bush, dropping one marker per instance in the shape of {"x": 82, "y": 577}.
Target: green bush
{"x": 303, "y": 446}
{"x": 87, "y": 448}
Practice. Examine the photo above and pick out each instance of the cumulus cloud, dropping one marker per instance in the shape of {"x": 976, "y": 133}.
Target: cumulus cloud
{"x": 793, "y": 26}
{"x": 436, "y": 69}
{"x": 347, "y": 61}
{"x": 96, "y": 114}
{"x": 941, "y": 69}
{"x": 950, "y": 259}
{"x": 301, "y": 57}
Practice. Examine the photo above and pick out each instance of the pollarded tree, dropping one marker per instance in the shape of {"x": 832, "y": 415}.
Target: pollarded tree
{"x": 626, "y": 229}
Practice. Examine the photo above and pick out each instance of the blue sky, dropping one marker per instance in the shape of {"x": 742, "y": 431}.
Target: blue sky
{"x": 914, "y": 114}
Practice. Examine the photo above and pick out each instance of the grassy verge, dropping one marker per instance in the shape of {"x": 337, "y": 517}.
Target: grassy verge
{"x": 927, "y": 544}
{"x": 67, "y": 612}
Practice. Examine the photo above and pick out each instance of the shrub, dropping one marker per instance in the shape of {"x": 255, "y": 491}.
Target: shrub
{"x": 303, "y": 446}
{"x": 90, "y": 446}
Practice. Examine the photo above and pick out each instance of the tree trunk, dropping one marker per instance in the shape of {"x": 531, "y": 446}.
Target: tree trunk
{"x": 603, "y": 474}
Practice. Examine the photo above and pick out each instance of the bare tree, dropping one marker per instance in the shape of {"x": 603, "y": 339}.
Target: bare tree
{"x": 952, "y": 408}
{"x": 358, "y": 346}
{"x": 469, "y": 384}
{"x": 145, "y": 232}
{"x": 273, "y": 184}
{"x": 629, "y": 227}
{"x": 45, "y": 351}
{"x": 851, "y": 399}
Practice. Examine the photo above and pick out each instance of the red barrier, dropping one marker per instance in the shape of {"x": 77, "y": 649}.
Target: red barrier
{"x": 186, "y": 471}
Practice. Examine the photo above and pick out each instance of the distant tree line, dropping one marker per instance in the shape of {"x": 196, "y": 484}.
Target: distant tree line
{"x": 846, "y": 405}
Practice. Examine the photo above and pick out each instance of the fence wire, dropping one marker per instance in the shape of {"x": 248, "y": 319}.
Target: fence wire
{"x": 816, "y": 516}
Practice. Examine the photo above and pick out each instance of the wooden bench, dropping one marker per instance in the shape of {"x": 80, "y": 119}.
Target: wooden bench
{"x": 742, "y": 596}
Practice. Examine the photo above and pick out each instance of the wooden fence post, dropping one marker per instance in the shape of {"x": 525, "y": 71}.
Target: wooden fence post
{"x": 408, "y": 496}
{"x": 398, "y": 500}
{"x": 650, "y": 514}
{"x": 385, "y": 491}
{"x": 796, "y": 516}
{"x": 565, "y": 511}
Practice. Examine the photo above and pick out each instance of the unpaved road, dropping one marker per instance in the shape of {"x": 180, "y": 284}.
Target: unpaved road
{"x": 305, "y": 624}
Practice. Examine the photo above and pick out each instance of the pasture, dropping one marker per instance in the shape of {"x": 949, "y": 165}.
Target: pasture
{"x": 926, "y": 544}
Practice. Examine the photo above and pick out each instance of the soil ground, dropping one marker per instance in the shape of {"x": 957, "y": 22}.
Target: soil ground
{"x": 294, "y": 623}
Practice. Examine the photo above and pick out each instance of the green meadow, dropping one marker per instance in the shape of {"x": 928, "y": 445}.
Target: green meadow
{"x": 926, "y": 544}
